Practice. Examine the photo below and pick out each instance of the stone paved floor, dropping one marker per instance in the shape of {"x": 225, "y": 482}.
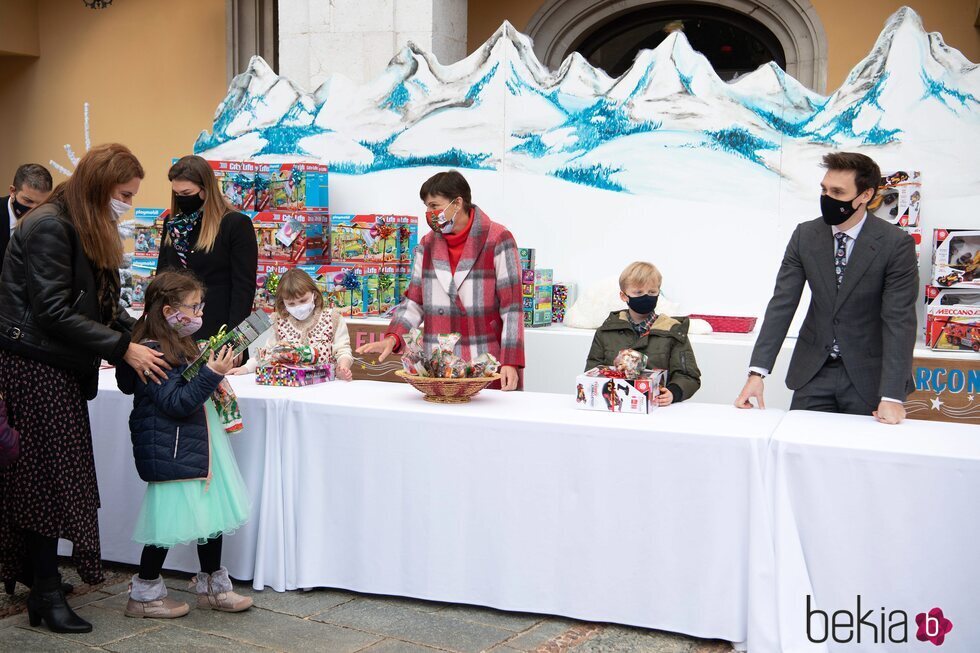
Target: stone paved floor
{"x": 324, "y": 620}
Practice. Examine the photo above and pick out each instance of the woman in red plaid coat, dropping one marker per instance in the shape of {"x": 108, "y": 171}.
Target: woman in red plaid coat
{"x": 466, "y": 279}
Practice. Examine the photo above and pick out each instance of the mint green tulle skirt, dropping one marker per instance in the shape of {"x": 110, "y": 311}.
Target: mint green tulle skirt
{"x": 184, "y": 512}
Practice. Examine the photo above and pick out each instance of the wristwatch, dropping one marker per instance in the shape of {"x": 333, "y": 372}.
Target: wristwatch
{"x": 758, "y": 374}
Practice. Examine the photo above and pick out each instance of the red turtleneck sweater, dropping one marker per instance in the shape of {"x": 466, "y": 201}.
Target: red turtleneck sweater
{"x": 456, "y": 242}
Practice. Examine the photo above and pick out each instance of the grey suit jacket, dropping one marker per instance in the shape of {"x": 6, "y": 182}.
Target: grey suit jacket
{"x": 872, "y": 315}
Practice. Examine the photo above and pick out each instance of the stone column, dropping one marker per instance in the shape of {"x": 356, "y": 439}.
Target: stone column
{"x": 359, "y": 37}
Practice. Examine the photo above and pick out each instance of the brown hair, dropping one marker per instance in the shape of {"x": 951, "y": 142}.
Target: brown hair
{"x": 867, "y": 174}
{"x": 85, "y": 199}
{"x": 639, "y": 273}
{"x": 449, "y": 184}
{"x": 198, "y": 171}
{"x": 168, "y": 289}
{"x": 293, "y": 284}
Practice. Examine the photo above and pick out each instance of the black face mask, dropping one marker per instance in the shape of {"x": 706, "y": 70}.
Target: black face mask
{"x": 189, "y": 203}
{"x": 836, "y": 212}
{"x": 19, "y": 209}
{"x": 642, "y": 305}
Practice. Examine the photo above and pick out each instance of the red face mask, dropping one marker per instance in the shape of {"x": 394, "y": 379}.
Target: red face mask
{"x": 438, "y": 221}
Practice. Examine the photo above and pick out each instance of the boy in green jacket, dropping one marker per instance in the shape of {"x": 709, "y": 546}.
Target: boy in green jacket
{"x": 663, "y": 339}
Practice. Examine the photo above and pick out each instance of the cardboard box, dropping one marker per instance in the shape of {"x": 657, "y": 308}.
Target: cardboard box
{"x": 293, "y": 237}
{"x": 563, "y": 294}
{"x": 955, "y": 258}
{"x": 142, "y": 273}
{"x": 148, "y": 232}
{"x": 898, "y": 198}
{"x": 237, "y": 182}
{"x": 953, "y": 319}
{"x": 262, "y": 187}
{"x": 594, "y": 391}
{"x": 408, "y": 237}
{"x": 379, "y": 288}
{"x": 527, "y": 257}
{"x": 293, "y": 376}
{"x": 265, "y": 299}
{"x": 298, "y": 186}
{"x": 351, "y": 240}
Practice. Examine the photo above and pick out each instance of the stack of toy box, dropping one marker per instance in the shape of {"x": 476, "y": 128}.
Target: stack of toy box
{"x": 147, "y": 234}
{"x": 381, "y": 248}
{"x": 288, "y": 204}
{"x": 537, "y": 289}
{"x": 953, "y": 294}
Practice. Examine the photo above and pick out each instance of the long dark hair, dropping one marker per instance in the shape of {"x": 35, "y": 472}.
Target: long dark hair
{"x": 167, "y": 289}
{"x": 198, "y": 171}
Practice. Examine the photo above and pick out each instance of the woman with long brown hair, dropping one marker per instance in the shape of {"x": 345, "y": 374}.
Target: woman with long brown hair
{"x": 205, "y": 235}
{"x": 59, "y": 317}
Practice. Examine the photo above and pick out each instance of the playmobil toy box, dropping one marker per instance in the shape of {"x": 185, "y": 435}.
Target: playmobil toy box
{"x": 953, "y": 319}
{"x": 603, "y": 388}
{"x": 261, "y": 187}
{"x": 237, "y": 182}
{"x": 298, "y": 186}
{"x": 379, "y": 288}
{"x": 267, "y": 277}
{"x": 402, "y": 280}
{"x": 142, "y": 273}
{"x": 898, "y": 198}
{"x": 408, "y": 237}
{"x": 345, "y": 290}
{"x": 148, "y": 232}
{"x": 955, "y": 258}
{"x": 351, "y": 239}
{"x": 292, "y": 236}
{"x": 293, "y": 376}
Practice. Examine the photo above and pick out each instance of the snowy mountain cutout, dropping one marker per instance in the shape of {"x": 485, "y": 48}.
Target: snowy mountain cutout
{"x": 500, "y": 107}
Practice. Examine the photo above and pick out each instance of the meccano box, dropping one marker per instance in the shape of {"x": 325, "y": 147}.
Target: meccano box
{"x": 953, "y": 319}
{"x": 298, "y": 186}
{"x": 594, "y": 391}
{"x": 955, "y": 258}
{"x": 293, "y": 376}
{"x": 898, "y": 198}
{"x": 295, "y": 237}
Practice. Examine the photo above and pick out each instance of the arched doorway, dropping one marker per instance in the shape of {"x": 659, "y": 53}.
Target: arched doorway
{"x": 735, "y": 35}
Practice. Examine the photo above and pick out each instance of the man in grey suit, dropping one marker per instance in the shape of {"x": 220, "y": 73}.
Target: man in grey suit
{"x": 854, "y": 351}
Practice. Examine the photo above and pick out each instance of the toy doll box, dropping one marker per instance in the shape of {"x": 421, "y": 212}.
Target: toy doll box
{"x": 953, "y": 319}
{"x": 593, "y": 391}
{"x": 293, "y": 376}
{"x": 956, "y": 258}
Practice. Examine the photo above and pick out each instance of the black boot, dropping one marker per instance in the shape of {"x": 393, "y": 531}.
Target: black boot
{"x": 10, "y": 585}
{"x": 47, "y": 602}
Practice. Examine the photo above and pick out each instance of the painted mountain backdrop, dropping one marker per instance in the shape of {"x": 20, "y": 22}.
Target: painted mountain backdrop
{"x": 501, "y": 108}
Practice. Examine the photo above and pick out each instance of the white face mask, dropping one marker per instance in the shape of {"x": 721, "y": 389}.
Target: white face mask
{"x": 118, "y": 208}
{"x": 302, "y": 311}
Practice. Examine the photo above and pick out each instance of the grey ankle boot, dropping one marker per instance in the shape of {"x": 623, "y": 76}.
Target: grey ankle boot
{"x": 216, "y": 592}
{"x": 148, "y": 599}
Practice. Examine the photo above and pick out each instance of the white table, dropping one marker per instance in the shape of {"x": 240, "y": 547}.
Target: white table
{"x": 888, "y": 513}
{"x": 516, "y": 501}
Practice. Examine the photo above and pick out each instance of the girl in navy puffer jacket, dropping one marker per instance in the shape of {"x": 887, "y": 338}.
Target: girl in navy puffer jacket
{"x": 195, "y": 490}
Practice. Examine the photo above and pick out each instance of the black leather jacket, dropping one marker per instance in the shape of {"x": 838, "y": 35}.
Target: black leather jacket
{"x": 49, "y": 305}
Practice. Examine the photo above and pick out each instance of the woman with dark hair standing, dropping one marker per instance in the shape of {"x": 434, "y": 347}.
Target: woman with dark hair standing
{"x": 205, "y": 235}
{"x": 466, "y": 279}
{"x": 59, "y": 317}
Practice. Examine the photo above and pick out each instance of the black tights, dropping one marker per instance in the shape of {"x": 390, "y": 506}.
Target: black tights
{"x": 208, "y": 554}
{"x": 42, "y": 552}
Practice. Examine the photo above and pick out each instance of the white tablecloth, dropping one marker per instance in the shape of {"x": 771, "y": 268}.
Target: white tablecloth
{"x": 887, "y": 513}
{"x": 516, "y": 501}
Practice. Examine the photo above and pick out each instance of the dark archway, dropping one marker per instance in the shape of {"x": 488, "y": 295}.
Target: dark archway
{"x": 561, "y": 27}
{"x": 734, "y": 43}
